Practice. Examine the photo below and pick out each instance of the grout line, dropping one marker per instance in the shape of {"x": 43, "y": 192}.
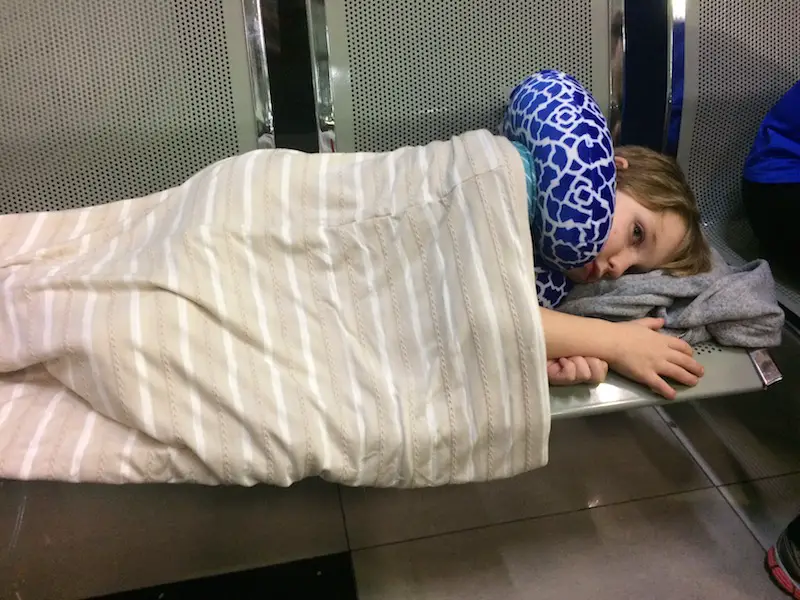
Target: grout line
{"x": 739, "y": 512}
{"x": 721, "y": 487}
{"x": 704, "y": 465}
{"x": 757, "y": 479}
{"x": 344, "y": 518}
{"x": 713, "y": 479}
{"x": 619, "y": 503}
{"x": 353, "y": 577}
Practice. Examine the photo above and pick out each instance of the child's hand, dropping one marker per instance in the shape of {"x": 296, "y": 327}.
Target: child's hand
{"x": 578, "y": 369}
{"x": 645, "y": 355}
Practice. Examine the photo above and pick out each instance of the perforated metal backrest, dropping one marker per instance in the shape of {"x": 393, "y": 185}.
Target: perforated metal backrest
{"x": 410, "y": 71}
{"x": 740, "y": 58}
{"x": 115, "y": 99}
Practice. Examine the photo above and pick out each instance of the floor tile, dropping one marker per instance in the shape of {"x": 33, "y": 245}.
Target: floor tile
{"x": 80, "y": 540}
{"x": 328, "y": 577}
{"x": 767, "y": 505}
{"x": 689, "y": 546}
{"x": 593, "y": 462}
{"x": 752, "y": 436}
{"x": 743, "y": 437}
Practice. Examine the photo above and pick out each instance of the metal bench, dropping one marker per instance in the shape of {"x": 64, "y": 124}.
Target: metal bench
{"x": 379, "y": 88}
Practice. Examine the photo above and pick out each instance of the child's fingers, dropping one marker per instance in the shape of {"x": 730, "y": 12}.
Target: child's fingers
{"x": 681, "y": 345}
{"x": 576, "y": 369}
{"x": 553, "y": 368}
{"x": 598, "y": 369}
{"x": 561, "y": 372}
{"x": 568, "y": 370}
{"x": 679, "y": 374}
{"x": 688, "y": 363}
{"x": 650, "y": 323}
{"x": 582, "y": 370}
{"x": 659, "y": 386}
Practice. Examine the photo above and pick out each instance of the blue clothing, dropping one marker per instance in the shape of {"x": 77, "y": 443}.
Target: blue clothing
{"x": 678, "y": 77}
{"x": 775, "y": 155}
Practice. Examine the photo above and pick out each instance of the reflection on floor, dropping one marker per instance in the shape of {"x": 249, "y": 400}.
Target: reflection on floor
{"x": 666, "y": 503}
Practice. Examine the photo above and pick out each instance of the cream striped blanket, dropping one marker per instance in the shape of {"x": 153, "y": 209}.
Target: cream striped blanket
{"x": 367, "y": 318}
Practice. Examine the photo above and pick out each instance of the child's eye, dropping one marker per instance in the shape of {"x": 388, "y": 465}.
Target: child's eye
{"x": 638, "y": 234}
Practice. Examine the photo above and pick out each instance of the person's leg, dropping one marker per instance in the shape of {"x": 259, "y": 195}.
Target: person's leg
{"x": 773, "y": 210}
{"x": 783, "y": 559}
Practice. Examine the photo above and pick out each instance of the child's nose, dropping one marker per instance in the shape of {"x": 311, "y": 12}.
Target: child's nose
{"x": 618, "y": 264}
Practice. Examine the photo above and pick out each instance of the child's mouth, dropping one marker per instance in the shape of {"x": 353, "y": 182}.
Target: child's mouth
{"x": 592, "y": 272}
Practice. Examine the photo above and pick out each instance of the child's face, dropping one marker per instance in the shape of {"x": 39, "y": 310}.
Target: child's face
{"x": 640, "y": 240}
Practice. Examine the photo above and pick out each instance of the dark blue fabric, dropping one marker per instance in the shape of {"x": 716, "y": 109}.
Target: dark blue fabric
{"x": 678, "y": 71}
{"x": 571, "y": 161}
{"x": 646, "y": 68}
{"x": 775, "y": 154}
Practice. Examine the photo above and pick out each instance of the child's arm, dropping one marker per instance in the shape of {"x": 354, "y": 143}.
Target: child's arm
{"x": 634, "y": 349}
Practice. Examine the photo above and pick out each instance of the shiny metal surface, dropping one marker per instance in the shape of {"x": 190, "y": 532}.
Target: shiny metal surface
{"x": 322, "y": 73}
{"x": 728, "y": 371}
{"x": 766, "y": 367}
{"x": 443, "y": 68}
{"x": 259, "y": 72}
{"x": 616, "y": 47}
{"x": 738, "y": 64}
{"x": 109, "y": 100}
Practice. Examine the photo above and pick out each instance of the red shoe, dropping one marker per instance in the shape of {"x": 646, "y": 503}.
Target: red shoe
{"x": 783, "y": 560}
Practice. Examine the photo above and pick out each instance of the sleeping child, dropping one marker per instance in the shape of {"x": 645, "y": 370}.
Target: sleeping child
{"x": 596, "y": 212}
{"x": 372, "y": 318}
{"x": 591, "y": 214}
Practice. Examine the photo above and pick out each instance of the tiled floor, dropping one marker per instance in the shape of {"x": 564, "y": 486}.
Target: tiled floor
{"x": 612, "y": 517}
{"x": 623, "y": 511}
{"x": 681, "y": 546}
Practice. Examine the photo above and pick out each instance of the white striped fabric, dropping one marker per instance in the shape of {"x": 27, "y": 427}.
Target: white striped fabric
{"x": 367, "y": 318}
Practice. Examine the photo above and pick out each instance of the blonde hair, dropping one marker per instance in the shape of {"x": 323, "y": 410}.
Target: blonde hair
{"x": 656, "y": 182}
